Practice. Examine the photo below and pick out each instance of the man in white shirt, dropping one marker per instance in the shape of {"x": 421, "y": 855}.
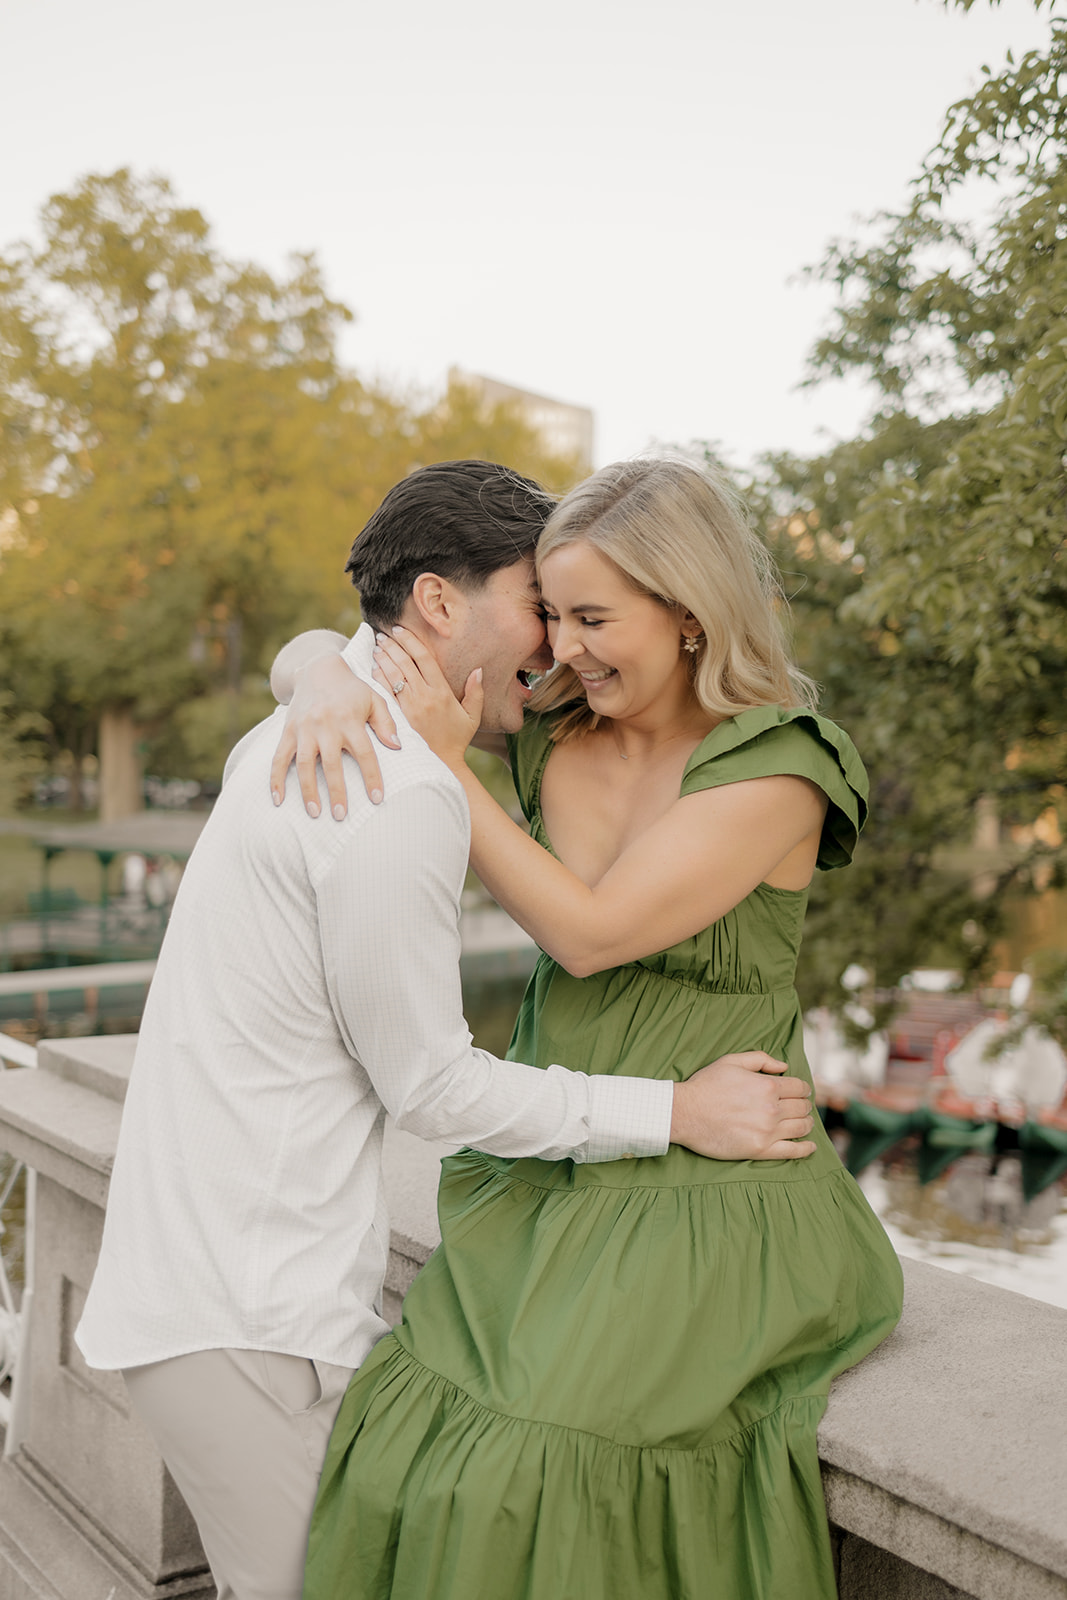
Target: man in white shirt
{"x": 308, "y": 984}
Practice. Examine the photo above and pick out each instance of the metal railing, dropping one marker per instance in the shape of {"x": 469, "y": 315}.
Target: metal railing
{"x": 15, "y": 1319}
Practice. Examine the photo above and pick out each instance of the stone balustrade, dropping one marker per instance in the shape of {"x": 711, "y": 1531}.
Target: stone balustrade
{"x": 944, "y": 1454}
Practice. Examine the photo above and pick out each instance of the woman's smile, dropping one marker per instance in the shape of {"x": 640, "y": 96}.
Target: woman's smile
{"x": 637, "y": 661}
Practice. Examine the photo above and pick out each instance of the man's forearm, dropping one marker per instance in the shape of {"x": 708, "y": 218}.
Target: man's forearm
{"x": 388, "y": 913}
{"x": 388, "y": 923}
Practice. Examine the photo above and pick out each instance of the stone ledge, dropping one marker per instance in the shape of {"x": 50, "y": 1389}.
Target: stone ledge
{"x": 969, "y": 1565}
{"x": 864, "y": 1572}
{"x": 62, "y": 1129}
{"x": 943, "y": 1456}
{"x": 43, "y": 1556}
{"x": 962, "y": 1414}
{"x": 102, "y": 1063}
{"x": 411, "y": 1169}
{"x": 63, "y": 1119}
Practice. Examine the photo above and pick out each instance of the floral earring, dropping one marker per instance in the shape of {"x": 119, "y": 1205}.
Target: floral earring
{"x": 690, "y": 643}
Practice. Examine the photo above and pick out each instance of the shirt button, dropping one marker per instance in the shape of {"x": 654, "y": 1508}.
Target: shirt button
{"x": 628, "y": 1155}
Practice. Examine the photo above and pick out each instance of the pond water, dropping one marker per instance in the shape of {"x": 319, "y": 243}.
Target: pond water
{"x": 973, "y": 1218}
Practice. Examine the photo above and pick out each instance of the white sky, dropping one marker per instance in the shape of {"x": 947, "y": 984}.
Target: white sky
{"x": 601, "y": 200}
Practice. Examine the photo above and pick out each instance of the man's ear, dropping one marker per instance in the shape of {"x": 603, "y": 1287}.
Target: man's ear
{"x": 438, "y": 603}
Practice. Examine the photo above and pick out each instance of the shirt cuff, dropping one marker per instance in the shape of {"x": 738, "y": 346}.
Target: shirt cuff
{"x": 628, "y": 1117}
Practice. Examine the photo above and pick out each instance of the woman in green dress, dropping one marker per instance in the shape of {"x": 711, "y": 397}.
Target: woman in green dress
{"x": 607, "y": 1380}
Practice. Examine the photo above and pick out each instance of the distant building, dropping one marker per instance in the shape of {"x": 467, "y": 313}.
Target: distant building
{"x": 566, "y": 430}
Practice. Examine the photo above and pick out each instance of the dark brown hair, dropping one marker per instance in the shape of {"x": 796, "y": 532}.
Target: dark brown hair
{"x": 463, "y": 520}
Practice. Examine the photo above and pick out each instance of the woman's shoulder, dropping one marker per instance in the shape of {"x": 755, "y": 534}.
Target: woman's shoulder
{"x": 771, "y": 741}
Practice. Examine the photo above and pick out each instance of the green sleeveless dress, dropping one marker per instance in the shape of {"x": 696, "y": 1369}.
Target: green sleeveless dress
{"x": 607, "y": 1380}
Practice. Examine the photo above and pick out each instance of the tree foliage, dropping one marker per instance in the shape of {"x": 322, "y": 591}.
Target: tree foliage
{"x": 21, "y": 753}
{"x": 930, "y": 553}
{"x": 184, "y": 464}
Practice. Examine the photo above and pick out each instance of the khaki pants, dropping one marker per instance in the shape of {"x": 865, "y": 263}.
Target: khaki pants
{"x": 244, "y": 1435}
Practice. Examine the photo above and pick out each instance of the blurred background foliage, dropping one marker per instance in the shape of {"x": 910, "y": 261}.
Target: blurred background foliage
{"x": 184, "y": 465}
{"x": 926, "y": 560}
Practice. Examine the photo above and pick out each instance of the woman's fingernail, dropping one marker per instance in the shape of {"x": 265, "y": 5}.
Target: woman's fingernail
{"x": 313, "y": 809}
{"x": 376, "y": 797}
{"x": 339, "y": 813}
{"x": 399, "y": 629}
{"x": 380, "y": 637}
{"x": 276, "y": 796}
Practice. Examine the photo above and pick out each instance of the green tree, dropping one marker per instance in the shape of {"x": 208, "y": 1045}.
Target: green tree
{"x": 183, "y": 467}
{"x": 21, "y": 753}
{"x": 127, "y": 349}
{"x": 930, "y": 553}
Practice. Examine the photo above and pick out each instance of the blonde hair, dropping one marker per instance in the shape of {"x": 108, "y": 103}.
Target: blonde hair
{"x": 681, "y": 536}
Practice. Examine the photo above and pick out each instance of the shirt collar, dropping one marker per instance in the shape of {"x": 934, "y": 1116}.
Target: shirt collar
{"x": 359, "y": 653}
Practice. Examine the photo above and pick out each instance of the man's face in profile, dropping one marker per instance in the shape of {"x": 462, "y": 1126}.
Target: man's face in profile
{"x": 503, "y": 632}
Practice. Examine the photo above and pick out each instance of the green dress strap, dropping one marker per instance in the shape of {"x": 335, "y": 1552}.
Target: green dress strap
{"x": 528, "y": 751}
{"x": 769, "y": 741}
{"x": 764, "y": 742}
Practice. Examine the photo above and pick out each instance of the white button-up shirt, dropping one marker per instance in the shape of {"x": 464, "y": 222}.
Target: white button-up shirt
{"x": 308, "y": 983}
